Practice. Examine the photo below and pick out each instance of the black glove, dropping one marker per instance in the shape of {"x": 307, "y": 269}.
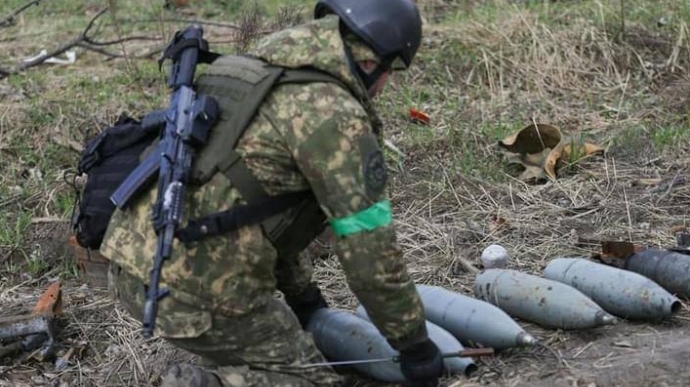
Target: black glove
{"x": 422, "y": 364}
{"x": 306, "y": 303}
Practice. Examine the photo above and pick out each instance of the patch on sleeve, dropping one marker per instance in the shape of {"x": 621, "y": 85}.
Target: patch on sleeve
{"x": 373, "y": 165}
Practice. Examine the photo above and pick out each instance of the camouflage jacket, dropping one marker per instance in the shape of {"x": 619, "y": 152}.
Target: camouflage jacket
{"x": 316, "y": 136}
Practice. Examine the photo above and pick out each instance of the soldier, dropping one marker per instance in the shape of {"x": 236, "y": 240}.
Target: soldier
{"x": 310, "y": 129}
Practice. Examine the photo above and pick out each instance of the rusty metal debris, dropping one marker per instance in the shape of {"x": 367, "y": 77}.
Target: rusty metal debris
{"x": 615, "y": 253}
{"x": 33, "y": 331}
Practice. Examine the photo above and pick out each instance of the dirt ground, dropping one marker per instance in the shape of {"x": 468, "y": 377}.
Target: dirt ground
{"x": 652, "y": 355}
{"x": 108, "y": 349}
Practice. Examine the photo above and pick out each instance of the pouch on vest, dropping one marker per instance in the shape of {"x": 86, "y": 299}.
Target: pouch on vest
{"x": 107, "y": 160}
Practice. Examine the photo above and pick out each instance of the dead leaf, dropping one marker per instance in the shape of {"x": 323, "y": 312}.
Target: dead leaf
{"x": 551, "y": 162}
{"x": 542, "y": 150}
{"x": 533, "y": 163}
{"x": 532, "y": 139}
{"x": 50, "y": 302}
{"x": 532, "y": 173}
{"x": 575, "y": 150}
{"x": 496, "y": 222}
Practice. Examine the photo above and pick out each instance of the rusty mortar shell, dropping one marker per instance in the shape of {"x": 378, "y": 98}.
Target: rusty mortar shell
{"x": 446, "y": 343}
{"x": 539, "y": 300}
{"x": 669, "y": 269}
{"x": 620, "y": 292}
{"x": 472, "y": 321}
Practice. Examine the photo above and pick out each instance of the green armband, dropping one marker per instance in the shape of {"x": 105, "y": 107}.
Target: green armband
{"x": 378, "y": 215}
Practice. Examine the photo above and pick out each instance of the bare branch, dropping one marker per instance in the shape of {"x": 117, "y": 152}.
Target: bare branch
{"x": 93, "y": 20}
{"x": 9, "y": 19}
{"x": 82, "y": 38}
{"x": 115, "y": 55}
{"x": 187, "y": 21}
{"x": 99, "y": 50}
{"x": 118, "y": 41}
{"x": 86, "y": 42}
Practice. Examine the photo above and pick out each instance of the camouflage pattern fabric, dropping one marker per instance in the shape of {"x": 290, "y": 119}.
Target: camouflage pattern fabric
{"x": 294, "y": 274}
{"x": 318, "y": 136}
{"x": 262, "y": 348}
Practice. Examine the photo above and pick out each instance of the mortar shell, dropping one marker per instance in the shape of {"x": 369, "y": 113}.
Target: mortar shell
{"x": 542, "y": 301}
{"x": 472, "y": 321}
{"x": 669, "y": 269}
{"x": 342, "y": 336}
{"x": 620, "y": 292}
{"x": 446, "y": 343}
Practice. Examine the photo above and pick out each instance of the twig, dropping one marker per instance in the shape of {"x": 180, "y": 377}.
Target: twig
{"x": 118, "y": 41}
{"x": 99, "y": 50}
{"x": 188, "y": 21}
{"x": 49, "y": 220}
{"x": 78, "y": 41}
{"x": 9, "y": 19}
{"x": 25, "y": 65}
{"x": 469, "y": 267}
{"x": 670, "y": 187}
{"x": 555, "y": 354}
{"x": 622, "y": 11}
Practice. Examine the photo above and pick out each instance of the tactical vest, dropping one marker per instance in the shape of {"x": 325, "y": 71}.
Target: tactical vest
{"x": 240, "y": 84}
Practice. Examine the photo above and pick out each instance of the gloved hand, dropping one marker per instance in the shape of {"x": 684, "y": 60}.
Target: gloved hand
{"x": 422, "y": 364}
{"x": 306, "y": 303}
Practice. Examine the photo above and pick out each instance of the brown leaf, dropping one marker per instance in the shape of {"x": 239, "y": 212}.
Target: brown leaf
{"x": 551, "y": 162}
{"x": 532, "y": 139}
{"x": 573, "y": 150}
{"x": 532, "y": 173}
{"x": 496, "y": 222}
{"x": 50, "y": 302}
{"x": 568, "y": 150}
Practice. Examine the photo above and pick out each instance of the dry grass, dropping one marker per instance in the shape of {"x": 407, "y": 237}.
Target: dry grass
{"x": 486, "y": 68}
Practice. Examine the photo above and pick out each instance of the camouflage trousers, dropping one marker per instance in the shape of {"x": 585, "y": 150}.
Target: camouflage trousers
{"x": 262, "y": 348}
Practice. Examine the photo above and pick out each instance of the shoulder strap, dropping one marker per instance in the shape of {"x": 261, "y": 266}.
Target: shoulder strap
{"x": 240, "y": 84}
{"x": 242, "y": 178}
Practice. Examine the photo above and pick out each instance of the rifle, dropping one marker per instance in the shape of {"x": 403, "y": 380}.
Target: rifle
{"x": 188, "y": 120}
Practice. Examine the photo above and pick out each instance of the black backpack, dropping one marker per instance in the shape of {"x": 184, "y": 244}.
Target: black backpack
{"x": 107, "y": 160}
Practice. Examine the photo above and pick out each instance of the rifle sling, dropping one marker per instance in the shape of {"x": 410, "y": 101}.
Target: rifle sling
{"x": 237, "y": 217}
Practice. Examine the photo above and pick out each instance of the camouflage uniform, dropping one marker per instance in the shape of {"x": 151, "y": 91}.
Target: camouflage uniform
{"x": 318, "y": 136}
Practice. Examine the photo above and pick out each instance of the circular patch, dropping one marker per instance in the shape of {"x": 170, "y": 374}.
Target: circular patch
{"x": 375, "y": 173}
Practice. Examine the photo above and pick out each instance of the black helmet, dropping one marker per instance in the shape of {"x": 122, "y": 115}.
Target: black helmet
{"x": 392, "y": 28}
